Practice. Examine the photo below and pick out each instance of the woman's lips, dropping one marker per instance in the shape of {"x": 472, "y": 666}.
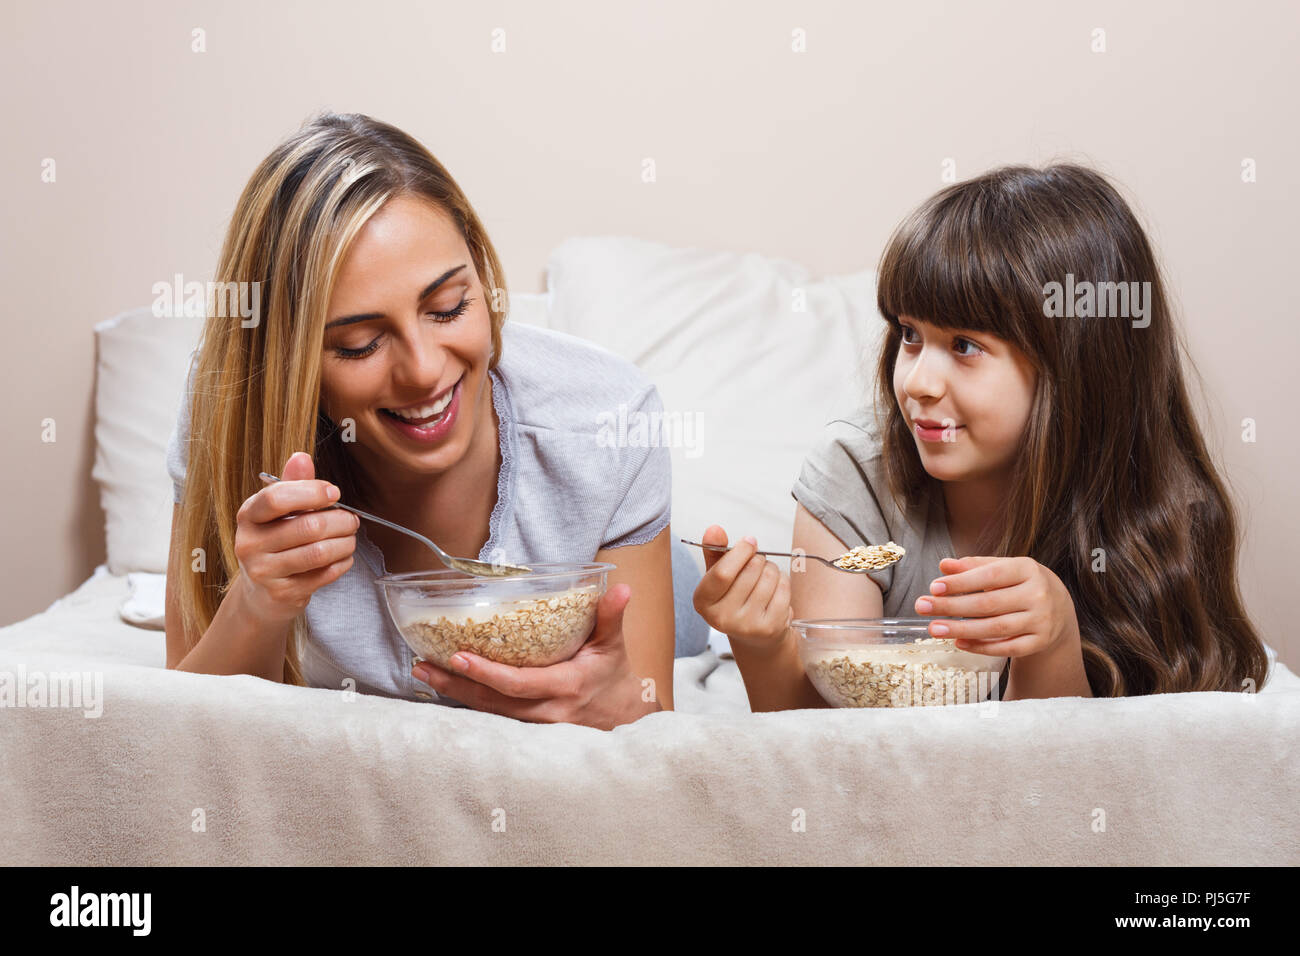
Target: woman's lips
{"x": 428, "y": 433}
{"x": 431, "y": 401}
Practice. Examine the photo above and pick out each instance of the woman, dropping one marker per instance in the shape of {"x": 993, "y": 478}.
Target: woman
{"x": 381, "y": 344}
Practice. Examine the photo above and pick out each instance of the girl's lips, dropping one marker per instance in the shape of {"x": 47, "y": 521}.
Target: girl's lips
{"x": 935, "y": 434}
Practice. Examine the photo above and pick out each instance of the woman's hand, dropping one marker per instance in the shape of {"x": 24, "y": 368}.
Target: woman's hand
{"x": 1018, "y": 606}
{"x": 283, "y": 561}
{"x": 742, "y": 594}
{"x": 596, "y": 687}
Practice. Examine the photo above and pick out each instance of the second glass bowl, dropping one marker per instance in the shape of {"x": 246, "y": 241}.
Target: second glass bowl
{"x": 892, "y": 662}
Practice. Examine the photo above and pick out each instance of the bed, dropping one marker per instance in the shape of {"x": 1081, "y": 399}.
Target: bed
{"x": 107, "y": 758}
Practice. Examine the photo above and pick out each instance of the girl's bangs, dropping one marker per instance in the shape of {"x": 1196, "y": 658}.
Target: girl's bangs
{"x": 947, "y": 267}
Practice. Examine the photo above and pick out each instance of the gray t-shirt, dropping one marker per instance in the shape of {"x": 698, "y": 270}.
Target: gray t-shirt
{"x": 842, "y": 484}
{"x": 564, "y": 492}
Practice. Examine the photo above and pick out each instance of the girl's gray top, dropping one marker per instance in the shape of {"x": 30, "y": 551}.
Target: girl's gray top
{"x": 568, "y": 487}
{"x": 842, "y": 484}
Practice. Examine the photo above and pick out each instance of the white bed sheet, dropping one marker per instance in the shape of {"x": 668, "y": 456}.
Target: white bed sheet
{"x": 284, "y": 774}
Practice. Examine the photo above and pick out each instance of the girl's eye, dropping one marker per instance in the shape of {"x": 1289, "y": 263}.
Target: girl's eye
{"x": 438, "y": 317}
{"x": 907, "y": 330}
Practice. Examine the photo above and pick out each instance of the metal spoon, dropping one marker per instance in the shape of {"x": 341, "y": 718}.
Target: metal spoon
{"x": 783, "y": 554}
{"x": 468, "y": 565}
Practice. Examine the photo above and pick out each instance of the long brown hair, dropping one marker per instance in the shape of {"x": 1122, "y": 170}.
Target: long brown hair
{"x": 1112, "y": 457}
{"x": 256, "y": 397}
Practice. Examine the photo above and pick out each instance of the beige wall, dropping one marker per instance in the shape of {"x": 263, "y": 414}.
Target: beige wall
{"x": 811, "y": 156}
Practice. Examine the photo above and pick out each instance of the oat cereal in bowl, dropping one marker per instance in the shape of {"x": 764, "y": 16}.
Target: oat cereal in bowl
{"x": 526, "y": 620}
{"x": 892, "y": 662}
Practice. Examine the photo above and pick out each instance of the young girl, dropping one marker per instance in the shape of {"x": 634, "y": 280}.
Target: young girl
{"x": 1051, "y": 445}
{"x": 382, "y": 347}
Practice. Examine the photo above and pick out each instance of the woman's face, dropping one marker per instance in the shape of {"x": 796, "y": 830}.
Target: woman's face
{"x": 975, "y": 388}
{"x": 408, "y": 330}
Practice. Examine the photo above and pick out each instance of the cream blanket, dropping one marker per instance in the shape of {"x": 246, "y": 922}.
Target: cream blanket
{"x": 194, "y": 769}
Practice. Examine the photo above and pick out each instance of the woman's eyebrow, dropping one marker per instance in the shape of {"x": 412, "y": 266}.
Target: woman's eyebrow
{"x": 428, "y": 291}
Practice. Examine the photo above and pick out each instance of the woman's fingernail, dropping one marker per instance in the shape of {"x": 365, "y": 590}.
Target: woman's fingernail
{"x": 460, "y": 663}
{"x": 924, "y": 605}
{"x": 422, "y": 672}
{"x": 938, "y": 587}
{"x": 751, "y": 539}
{"x": 332, "y": 493}
{"x": 939, "y": 629}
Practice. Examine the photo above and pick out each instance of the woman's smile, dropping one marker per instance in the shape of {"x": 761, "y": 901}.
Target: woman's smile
{"x": 428, "y": 421}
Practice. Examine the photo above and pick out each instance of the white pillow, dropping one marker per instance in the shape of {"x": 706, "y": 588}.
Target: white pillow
{"x": 723, "y": 337}
{"x": 141, "y": 369}
{"x": 140, "y": 374}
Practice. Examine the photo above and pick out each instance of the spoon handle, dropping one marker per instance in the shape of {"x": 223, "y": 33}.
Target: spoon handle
{"x": 467, "y": 565}
{"x": 725, "y": 548}
{"x": 272, "y": 479}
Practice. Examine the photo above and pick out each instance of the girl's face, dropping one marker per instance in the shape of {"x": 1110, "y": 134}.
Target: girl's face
{"x": 408, "y": 329}
{"x": 973, "y": 388}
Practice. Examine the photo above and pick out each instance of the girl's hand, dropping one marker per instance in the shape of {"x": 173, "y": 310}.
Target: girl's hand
{"x": 595, "y": 687}
{"x": 742, "y": 594}
{"x": 1019, "y": 606}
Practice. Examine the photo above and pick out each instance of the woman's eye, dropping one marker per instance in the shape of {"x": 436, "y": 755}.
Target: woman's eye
{"x": 907, "y": 330}
{"x": 976, "y": 350}
{"x": 438, "y": 317}
{"x": 357, "y": 353}
{"x": 459, "y": 310}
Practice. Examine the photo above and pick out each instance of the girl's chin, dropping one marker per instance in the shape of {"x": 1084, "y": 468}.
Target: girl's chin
{"x": 942, "y": 469}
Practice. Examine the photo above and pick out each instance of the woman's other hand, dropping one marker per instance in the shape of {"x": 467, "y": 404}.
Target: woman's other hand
{"x": 596, "y": 687}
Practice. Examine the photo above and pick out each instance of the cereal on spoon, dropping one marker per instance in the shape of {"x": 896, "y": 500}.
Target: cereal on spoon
{"x": 871, "y": 557}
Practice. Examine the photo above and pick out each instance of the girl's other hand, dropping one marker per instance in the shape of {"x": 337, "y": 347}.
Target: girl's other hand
{"x": 742, "y": 594}
{"x": 1018, "y": 607}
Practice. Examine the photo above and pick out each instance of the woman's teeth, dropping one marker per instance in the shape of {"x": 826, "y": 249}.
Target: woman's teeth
{"x": 418, "y": 416}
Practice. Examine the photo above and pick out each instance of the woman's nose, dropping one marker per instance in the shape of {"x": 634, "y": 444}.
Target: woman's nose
{"x": 420, "y": 361}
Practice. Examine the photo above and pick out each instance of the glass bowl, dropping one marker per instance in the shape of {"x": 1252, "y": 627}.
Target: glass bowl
{"x": 892, "y": 662}
{"x": 526, "y": 620}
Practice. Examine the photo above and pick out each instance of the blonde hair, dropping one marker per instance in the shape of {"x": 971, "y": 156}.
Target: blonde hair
{"x": 256, "y": 394}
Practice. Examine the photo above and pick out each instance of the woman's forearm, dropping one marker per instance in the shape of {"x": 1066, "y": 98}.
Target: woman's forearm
{"x": 239, "y": 641}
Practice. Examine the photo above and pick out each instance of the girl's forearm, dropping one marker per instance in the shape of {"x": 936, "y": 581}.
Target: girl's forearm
{"x": 1058, "y": 672}
{"x": 774, "y": 678}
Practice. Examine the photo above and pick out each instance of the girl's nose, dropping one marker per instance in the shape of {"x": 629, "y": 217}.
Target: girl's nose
{"x": 925, "y": 378}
